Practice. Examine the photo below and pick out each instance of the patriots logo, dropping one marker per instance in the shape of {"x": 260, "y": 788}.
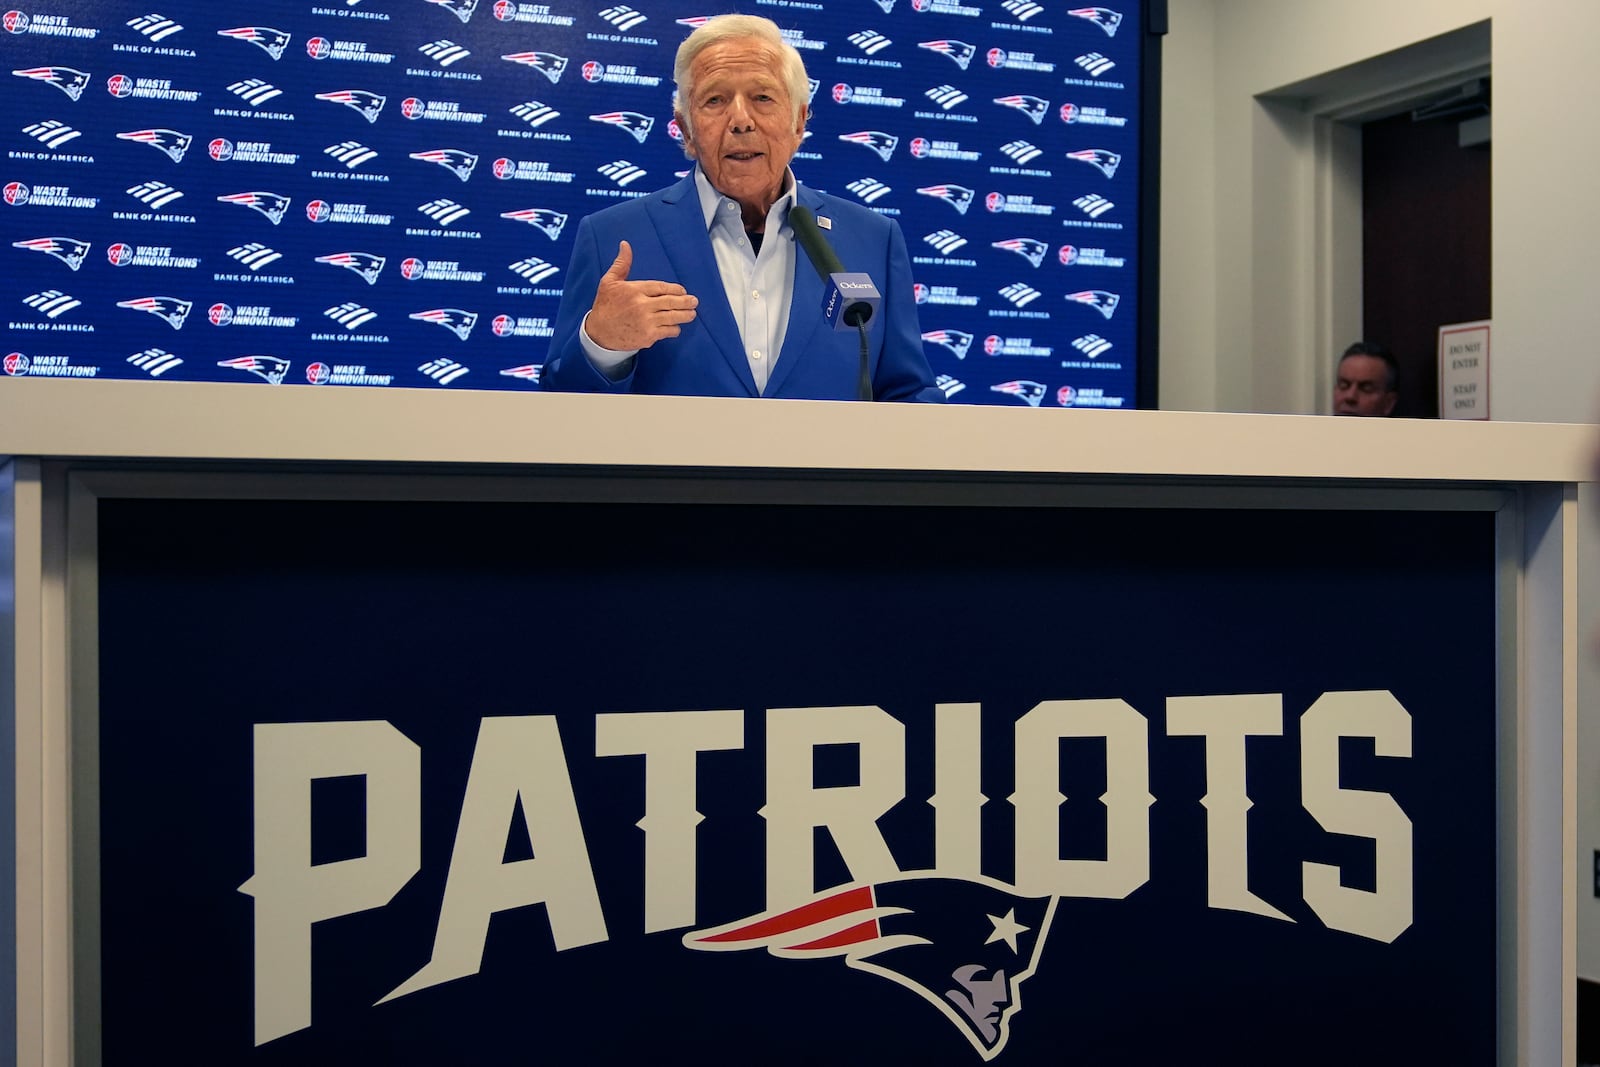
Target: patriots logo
{"x": 369, "y": 104}
{"x": 271, "y": 205}
{"x": 168, "y": 308}
{"x": 269, "y": 40}
{"x": 955, "y": 340}
{"x": 455, "y": 320}
{"x": 1029, "y": 249}
{"x": 880, "y": 142}
{"x": 365, "y": 264}
{"x": 546, "y": 219}
{"x": 959, "y": 51}
{"x": 66, "y": 249}
{"x": 629, "y": 121}
{"x": 1103, "y": 17}
{"x": 528, "y": 372}
{"x": 549, "y": 64}
{"x": 454, "y": 160}
{"x": 957, "y": 196}
{"x": 964, "y": 945}
{"x": 271, "y": 368}
{"x": 462, "y": 9}
{"x": 1030, "y": 106}
{"x": 70, "y": 81}
{"x": 1031, "y": 392}
{"x": 694, "y": 22}
{"x": 1099, "y": 299}
{"x": 173, "y": 143}
{"x": 1103, "y": 161}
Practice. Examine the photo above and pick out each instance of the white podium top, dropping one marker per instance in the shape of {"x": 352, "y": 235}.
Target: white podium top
{"x": 177, "y": 422}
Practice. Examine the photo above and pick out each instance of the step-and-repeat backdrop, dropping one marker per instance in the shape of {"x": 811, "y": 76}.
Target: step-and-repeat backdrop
{"x": 383, "y": 192}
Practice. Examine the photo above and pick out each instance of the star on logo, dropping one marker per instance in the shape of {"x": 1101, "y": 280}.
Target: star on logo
{"x": 1006, "y": 928}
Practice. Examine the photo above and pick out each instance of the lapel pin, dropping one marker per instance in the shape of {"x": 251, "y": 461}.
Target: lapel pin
{"x": 824, "y": 222}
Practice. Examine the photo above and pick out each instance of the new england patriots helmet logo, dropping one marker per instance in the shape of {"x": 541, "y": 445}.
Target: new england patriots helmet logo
{"x": 1030, "y": 392}
{"x": 964, "y": 945}
{"x": 546, "y": 219}
{"x": 461, "y": 9}
{"x": 959, "y": 51}
{"x": 956, "y": 341}
{"x": 366, "y": 264}
{"x": 454, "y": 160}
{"x": 549, "y": 64}
{"x": 880, "y": 142}
{"x": 68, "y": 250}
{"x": 370, "y": 105}
{"x": 271, "y": 368}
{"x": 1103, "y": 17}
{"x": 269, "y": 40}
{"x": 173, "y": 143}
{"x": 455, "y": 320}
{"x": 272, "y": 205}
{"x": 1029, "y": 249}
{"x": 1099, "y": 158}
{"x": 169, "y": 309}
{"x": 1031, "y": 106}
{"x": 957, "y": 196}
{"x": 1099, "y": 299}
{"x": 630, "y": 122}
{"x": 70, "y": 81}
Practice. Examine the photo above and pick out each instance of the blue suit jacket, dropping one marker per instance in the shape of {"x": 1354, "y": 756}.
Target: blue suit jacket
{"x": 670, "y": 243}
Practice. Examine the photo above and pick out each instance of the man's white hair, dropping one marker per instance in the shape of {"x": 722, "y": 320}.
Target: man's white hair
{"x": 733, "y": 28}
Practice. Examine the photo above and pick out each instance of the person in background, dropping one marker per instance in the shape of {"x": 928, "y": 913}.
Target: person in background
{"x": 1367, "y": 381}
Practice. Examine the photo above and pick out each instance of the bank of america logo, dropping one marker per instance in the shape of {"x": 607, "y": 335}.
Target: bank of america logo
{"x": 870, "y": 41}
{"x": 868, "y": 189}
{"x": 1031, "y": 106}
{"x": 155, "y": 361}
{"x": 455, "y": 320}
{"x": 254, "y": 255}
{"x": 1093, "y": 204}
{"x": 1023, "y": 9}
{"x": 254, "y": 91}
{"x": 946, "y": 96}
{"x": 443, "y": 370}
{"x": 52, "y": 303}
{"x": 1095, "y": 63}
{"x": 461, "y": 9}
{"x": 1020, "y": 294}
{"x": 351, "y": 153}
{"x": 547, "y": 63}
{"x": 269, "y": 40}
{"x": 156, "y": 27}
{"x": 173, "y": 143}
{"x": 370, "y": 105}
{"x": 1103, "y": 17}
{"x": 949, "y": 385}
{"x": 270, "y": 368}
{"x": 880, "y": 142}
{"x": 168, "y": 309}
{"x": 444, "y": 52}
{"x": 1021, "y": 151}
{"x": 1099, "y": 158}
{"x": 631, "y": 122}
{"x": 154, "y": 193}
{"x": 957, "y": 196}
{"x": 534, "y": 269}
{"x": 454, "y": 160}
{"x": 444, "y": 211}
{"x": 1102, "y": 301}
{"x": 534, "y": 113}
{"x": 946, "y": 241}
{"x": 68, "y": 80}
{"x": 366, "y": 264}
{"x": 1029, "y": 249}
{"x": 955, "y": 340}
{"x": 545, "y": 219}
{"x": 68, "y": 250}
{"x": 622, "y": 17}
{"x": 351, "y": 315}
{"x": 1092, "y": 345}
{"x": 1029, "y": 392}
{"x": 960, "y": 52}
{"x": 622, "y": 172}
{"x": 53, "y": 133}
{"x": 272, "y": 205}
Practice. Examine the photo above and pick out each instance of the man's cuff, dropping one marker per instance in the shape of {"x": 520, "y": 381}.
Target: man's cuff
{"x": 614, "y": 365}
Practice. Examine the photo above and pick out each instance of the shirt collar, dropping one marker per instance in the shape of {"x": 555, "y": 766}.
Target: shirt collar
{"x": 711, "y": 201}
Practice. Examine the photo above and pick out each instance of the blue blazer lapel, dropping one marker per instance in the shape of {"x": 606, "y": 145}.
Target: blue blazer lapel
{"x": 805, "y": 308}
{"x": 681, "y": 226}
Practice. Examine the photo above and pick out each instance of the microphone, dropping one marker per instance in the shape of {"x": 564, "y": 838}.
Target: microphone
{"x": 848, "y": 300}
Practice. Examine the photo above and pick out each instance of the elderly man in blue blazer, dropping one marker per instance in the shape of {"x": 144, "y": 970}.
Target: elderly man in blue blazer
{"x": 699, "y": 289}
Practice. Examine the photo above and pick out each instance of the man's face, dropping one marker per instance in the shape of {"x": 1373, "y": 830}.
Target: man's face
{"x": 741, "y": 123}
{"x": 1362, "y": 388}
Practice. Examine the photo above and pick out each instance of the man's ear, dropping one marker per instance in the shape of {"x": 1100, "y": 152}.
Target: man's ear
{"x": 688, "y": 141}
{"x": 800, "y": 121}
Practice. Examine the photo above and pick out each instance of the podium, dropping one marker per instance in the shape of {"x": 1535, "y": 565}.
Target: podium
{"x": 422, "y": 727}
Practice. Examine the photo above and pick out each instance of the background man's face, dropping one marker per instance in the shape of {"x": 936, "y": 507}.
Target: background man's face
{"x": 1361, "y": 387}
{"x": 742, "y": 126}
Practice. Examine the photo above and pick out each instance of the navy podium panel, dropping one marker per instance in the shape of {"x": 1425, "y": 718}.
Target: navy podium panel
{"x": 425, "y": 783}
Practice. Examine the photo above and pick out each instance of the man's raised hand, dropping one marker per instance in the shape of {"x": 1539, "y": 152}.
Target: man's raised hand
{"x": 629, "y": 315}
